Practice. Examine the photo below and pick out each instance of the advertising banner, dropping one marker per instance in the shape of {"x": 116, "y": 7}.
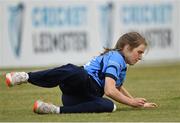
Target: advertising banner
{"x": 53, "y": 32}
{"x": 155, "y": 19}
{"x": 1, "y": 30}
{"x": 56, "y": 32}
{"x": 177, "y": 28}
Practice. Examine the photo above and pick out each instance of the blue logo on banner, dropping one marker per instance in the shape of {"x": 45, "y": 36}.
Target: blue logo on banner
{"x": 146, "y": 14}
{"x": 15, "y": 25}
{"x": 106, "y": 18}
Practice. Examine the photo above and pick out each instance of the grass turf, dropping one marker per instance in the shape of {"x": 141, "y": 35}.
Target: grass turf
{"x": 159, "y": 84}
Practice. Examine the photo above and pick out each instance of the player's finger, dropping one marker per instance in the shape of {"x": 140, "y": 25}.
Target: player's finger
{"x": 150, "y": 105}
{"x": 143, "y": 99}
{"x": 141, "y": 102}
{"x": 154, "y": 105}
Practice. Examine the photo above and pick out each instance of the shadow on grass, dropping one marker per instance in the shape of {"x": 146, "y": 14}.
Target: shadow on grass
{"x": 124, "y": 109}
{"x": 129, "y": 109}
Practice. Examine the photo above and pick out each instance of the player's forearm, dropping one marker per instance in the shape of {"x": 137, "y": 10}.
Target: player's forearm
{"x": 125, "y": 92}
{"x": 111, "y": 91}
{"x": 119, "y": 97}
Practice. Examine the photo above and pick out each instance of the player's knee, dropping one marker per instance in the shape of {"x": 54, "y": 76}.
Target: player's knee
{"x": 106, "y": 105}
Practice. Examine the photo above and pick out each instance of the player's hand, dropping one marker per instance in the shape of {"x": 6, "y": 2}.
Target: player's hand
{"x": 138, "y": 102}
{"x": 150, "y": 105}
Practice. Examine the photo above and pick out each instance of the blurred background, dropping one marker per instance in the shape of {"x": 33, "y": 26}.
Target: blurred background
{"x": 53, "y": 32}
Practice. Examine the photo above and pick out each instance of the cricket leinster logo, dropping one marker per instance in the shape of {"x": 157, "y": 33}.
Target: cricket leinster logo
{"x": 15, "y": 26}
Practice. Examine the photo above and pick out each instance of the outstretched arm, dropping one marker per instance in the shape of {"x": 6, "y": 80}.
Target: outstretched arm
{"x": 124, "y": 91}
{"x": 124, "y": 96}
{"x": 111, "y": 91}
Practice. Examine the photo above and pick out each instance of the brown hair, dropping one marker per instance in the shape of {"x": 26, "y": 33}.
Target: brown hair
{"x": 133, "y": 39}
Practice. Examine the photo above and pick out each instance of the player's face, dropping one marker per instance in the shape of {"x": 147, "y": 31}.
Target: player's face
{"x": 134, "y": 55}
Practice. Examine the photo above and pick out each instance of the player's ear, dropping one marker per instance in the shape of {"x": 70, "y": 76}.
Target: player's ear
{"x": 127, "y": 47}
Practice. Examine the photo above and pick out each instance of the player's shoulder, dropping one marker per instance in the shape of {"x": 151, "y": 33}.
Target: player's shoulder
{"x": 116, "y": 57}
{"x": 116, "y": 54}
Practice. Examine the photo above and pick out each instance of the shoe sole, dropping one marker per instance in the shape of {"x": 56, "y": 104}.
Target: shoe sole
{"x": 8, "y": 80}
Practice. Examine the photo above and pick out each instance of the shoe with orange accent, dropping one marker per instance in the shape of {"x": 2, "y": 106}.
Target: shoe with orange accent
{"x": 41, "y": 107}
{"x": 16, "y": 78}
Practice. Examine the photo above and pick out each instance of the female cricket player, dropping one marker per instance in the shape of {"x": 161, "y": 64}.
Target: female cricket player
{"x": 83, "y": 87}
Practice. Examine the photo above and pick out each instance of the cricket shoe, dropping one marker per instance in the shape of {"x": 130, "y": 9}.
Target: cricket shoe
{"x": 16, "y": 78}
{"x": 41, "y": 107}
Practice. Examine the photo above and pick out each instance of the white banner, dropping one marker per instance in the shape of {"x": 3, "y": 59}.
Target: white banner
{"x": 52, "y": 32}
{"x": 43, "y": 32}
{"x": 178, "y": 28}
{"x": 155, "y": 19}
{"x": 1, "y": 30}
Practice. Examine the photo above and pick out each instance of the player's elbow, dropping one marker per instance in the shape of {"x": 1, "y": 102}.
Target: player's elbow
{"x": 108, "y": 92}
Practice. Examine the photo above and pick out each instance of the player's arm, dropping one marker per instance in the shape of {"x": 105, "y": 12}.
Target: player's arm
{"x": 111, "y": 91}
{"x": 124, "y": 91}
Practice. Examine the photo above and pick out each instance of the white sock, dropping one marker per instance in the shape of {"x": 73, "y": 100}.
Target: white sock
{"x": 27, "y": 76}
{"x": 114, "y": 109}
{"x": 57, "y": 110}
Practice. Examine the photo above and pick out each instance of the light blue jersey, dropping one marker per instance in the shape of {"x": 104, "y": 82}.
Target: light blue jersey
{"x": 111, "y": 64}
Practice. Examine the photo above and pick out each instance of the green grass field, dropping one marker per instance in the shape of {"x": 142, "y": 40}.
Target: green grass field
{"x": 160, "y": 84}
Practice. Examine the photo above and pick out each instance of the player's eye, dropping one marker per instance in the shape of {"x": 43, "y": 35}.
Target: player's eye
{"x": 140, "y": 52}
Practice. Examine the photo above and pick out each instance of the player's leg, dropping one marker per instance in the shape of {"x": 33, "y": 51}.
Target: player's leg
{"x": 69, "y": 75}
{"x": 70, "y": 100}
{"x": 76, "y": 105}
{"x": 41, "y": 107}
{"x": 90, "y": 104}
{"x": 44, "y": 78}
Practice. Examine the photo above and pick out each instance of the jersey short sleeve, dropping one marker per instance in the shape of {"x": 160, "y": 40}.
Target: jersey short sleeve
{"x": 114, "y": 68}
{"x": 110, "y": 65}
